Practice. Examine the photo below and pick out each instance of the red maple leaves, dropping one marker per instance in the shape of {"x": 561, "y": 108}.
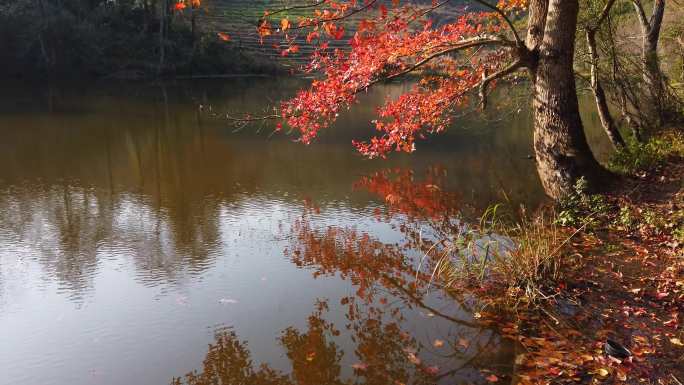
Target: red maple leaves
{"x": 386, "y": 44}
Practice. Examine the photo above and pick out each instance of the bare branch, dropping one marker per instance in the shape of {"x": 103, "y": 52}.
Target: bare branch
{"x": 641, "y": 14}
{"x": 486, "y": 80}
{"x": 338, "y": 18}
{"x": 465, "y": 44}
{"x": 295, "y": 7}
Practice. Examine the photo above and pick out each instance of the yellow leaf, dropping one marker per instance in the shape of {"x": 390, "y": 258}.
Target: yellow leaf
{"x": 284, "y": 24}
{"x": 676, "y": 341}
{"x": 587, "y": 357}
{"x": 602, "y": 372}
{"x": 622, "y": 376}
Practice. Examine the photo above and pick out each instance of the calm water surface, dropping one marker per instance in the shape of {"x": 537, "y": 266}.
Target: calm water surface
{"x": 142, "y": 242}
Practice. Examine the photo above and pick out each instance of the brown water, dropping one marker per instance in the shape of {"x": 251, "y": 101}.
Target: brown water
{"x": 141, "y": 241}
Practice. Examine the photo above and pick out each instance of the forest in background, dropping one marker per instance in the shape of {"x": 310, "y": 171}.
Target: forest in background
{"x": 124, "y": 39}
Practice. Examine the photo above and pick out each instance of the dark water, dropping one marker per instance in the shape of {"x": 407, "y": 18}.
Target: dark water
{"x": 141, "y": 241}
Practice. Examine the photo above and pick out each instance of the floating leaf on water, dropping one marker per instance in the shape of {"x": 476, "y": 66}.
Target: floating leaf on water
{"x": 438, "y": 343}
{"x": 227, "y": 301}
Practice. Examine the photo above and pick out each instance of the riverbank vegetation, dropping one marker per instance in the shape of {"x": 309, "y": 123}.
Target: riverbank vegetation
{"x": 616, "y": 273}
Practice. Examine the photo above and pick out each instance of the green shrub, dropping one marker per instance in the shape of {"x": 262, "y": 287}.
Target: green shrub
{"x": 638, "y": 157}
{"x": 581, "y": 208}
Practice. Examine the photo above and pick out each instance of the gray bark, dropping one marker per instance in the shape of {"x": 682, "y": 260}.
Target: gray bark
{"x": 562, "y": 152}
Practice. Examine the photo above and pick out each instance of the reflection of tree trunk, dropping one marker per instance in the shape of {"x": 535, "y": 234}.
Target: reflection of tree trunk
{"x": 420, "y": 303}
{"x": 599, "y": 94}
{"x": 162, "y": 35}
{"x": 109, "y": 166}
{"x": 45, "y": 47}
{"x": 561, "y": 148}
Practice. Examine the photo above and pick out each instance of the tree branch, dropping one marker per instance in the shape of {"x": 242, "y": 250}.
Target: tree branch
{"x": 641, "y": 14}
{"x": 467, "y": 43}
{"x": 506, "y": 19}
{"x": 516, "y": 65}
{"x": 657, "y": 14}
{"x": 338, "y": 18}
{"x": 604, "y": 13}
{"x": 295, "y": 7}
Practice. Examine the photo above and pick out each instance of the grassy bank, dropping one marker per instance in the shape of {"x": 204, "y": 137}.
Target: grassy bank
{"x": 596, "y": 267}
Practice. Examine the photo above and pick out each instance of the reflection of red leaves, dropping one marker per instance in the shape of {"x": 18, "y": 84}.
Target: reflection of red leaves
{"x": 179, "y": 6}
{"x": 432, "y": 370}
{"x": 413, "y": 358}
{"x": 404, "y": 194}
{"x": 223, "y": 36}
{"x": 492, "y": 378}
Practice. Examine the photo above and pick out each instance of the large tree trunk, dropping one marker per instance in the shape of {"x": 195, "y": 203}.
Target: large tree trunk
{"x": 562, "y": 152}
{"x": 536, "y": 24}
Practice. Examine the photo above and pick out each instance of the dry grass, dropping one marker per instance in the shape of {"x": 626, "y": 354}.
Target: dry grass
{"x": 514, "y": 261}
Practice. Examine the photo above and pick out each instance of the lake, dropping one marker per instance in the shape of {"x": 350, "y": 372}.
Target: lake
{"x": 144, "y": 241}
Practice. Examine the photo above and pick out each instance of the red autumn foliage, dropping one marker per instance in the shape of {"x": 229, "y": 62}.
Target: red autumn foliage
{"x": 389, "y": 41}
{"x": 179, "y": 6}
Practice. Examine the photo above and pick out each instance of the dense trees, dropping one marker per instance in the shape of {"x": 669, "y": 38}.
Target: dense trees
{"x": 123, "y": 38}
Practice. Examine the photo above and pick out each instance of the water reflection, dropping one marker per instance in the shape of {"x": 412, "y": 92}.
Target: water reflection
{"x": 390, "y": 280}
{"x": 386, "y": 355}
{"x": 145, "y": 173}
{"x": 127, "y": 217}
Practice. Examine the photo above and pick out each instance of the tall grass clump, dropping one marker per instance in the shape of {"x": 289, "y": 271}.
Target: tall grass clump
{"x": 508, "y": 261}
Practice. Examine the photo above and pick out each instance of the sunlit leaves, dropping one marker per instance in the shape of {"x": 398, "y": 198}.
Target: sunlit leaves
{"x": 386, "y": 41}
